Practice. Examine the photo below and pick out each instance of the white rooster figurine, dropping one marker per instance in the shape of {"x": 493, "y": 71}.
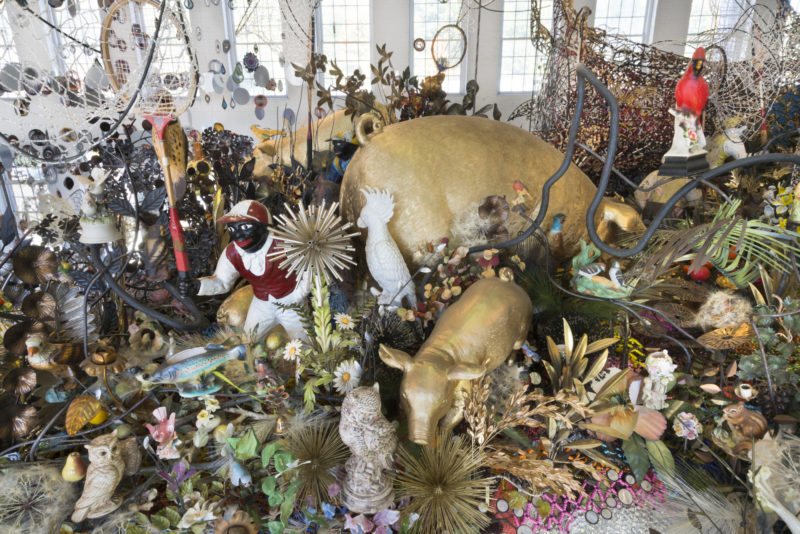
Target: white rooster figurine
{"x": 386, "y": 264}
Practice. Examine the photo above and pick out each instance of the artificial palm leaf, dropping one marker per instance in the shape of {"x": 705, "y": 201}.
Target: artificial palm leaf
{"x": 755, "y": 243}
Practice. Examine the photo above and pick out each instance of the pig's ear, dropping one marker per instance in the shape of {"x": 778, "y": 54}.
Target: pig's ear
{"x": 395, "y": 358}
{"x": 465, "y": 371}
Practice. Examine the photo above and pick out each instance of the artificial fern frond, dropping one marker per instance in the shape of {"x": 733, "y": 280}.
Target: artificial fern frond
{"x": 754, "y": 242}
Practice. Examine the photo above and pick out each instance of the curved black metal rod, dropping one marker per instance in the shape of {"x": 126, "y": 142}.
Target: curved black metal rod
{"x": 659, "y": 183}
{"x": 670, "y": 204}
{"x": 198, "y": 319}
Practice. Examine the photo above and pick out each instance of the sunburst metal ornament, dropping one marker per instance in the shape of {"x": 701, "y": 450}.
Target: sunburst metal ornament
{"x": 313, "y": 239}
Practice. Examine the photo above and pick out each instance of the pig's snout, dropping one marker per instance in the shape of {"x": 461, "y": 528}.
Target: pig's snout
{"x": 421, "y": 434}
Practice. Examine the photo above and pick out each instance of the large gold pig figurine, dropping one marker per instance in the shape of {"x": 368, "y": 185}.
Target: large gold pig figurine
{"x": 471, "y": 338}
{"x": 440, "y": 168}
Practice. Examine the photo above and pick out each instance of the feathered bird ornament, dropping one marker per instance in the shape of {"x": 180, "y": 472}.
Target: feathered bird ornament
{"x": 385, "y": 262}
{"x": 691, "y": 93}
{"x": 555, "y": 235}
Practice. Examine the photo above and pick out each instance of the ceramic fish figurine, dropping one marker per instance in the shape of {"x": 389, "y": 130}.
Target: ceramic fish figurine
{"x": 110, "y": 458}
{"x": 190, "y": 369}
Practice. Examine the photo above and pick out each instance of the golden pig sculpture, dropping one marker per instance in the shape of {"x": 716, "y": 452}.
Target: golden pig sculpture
{"x": 471, "y": 338}
{"x": 441, "y": 167}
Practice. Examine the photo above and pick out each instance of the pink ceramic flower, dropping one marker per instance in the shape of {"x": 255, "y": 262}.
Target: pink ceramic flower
{"x": 164, "y": 434}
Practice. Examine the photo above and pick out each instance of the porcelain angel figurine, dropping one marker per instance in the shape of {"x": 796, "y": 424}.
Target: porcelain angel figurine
{"x": 660, "y": 371}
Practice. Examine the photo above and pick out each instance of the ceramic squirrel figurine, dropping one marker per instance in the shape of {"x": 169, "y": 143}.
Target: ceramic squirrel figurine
{"x": 745, "y": 425}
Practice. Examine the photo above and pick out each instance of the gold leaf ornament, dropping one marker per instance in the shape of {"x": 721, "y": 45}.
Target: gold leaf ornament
{"x": 81, "y": 410}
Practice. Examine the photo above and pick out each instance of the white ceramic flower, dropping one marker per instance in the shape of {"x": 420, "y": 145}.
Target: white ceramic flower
{"x": 344, "y": 321}
{"x": 201, "y": 511}
{"x": 292, "y": 350}
{"x": 212, "y": 404}
{"x": 347, "y": 376}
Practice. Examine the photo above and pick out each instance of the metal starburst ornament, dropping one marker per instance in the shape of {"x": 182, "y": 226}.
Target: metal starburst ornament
{"x": 313, "y": 239}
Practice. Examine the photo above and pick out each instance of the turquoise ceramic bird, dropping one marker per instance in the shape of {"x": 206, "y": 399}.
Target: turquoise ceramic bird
{"x": 190, "y": 368}
{"x": 554, "y": 236}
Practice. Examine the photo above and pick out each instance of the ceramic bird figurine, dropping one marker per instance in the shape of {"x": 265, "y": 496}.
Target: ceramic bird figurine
{"x": 57, "y": 358}
{"x": 691, "y": 92}
{"x": 109, "y": 459}
{"x": 588, "y": 279}
{"x": 555, "y": 235}
{"x": 520, "y": 203}
{"x": 385, "y": 262}
{"x": 262, "y": 134}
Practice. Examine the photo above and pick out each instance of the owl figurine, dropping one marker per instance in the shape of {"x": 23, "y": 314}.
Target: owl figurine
{"x": 367, "y": 488}
{"x": 109, "y": 458}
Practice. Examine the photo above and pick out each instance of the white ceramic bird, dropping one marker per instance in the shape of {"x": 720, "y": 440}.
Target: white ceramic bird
{"x": 385, "y": 262}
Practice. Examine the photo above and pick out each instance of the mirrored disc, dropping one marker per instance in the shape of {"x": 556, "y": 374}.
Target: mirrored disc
{"x": 519, "y": 512}
{"x": 625, "y": 496}
{"x": 630, "y": 479}
{"x": 502, "y": 505}
{"x": 647, "y": 486}
{"x": 218, "y": 83}
{"x": 591, "y": 517}
{"x": 260, "y": 113}
{"x": 241, "y": 96}
{"x": 231, "y": 84}
{"x": 524, "y": 529}
{"x": 261, "y": 76}
{"x": 606, "y": 514}
{"x": 612, "y": 475}
{"x": 611, "y": 502}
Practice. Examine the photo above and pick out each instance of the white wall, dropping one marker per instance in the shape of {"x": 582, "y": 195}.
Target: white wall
{"x": 390, "y": 25}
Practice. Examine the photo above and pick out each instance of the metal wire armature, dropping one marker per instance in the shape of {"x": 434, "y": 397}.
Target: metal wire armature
{"x": 75, "y": 71}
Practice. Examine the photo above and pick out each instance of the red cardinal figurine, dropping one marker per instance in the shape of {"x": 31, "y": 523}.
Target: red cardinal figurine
{"x": 691, "y": 93}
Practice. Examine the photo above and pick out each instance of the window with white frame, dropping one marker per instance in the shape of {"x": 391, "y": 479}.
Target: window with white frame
{"x": 77, "y": 39}
{"x": 344, "y": 35}
{"x": 8, "y": 50}
{"x": 632, "y": 19}
{"x": 257, "y": 29}
{"x": 427, "y": 18}
{"x": 521, "y": 64}
{"x": 710, "y": 20}
{"x": 25, "y": 182}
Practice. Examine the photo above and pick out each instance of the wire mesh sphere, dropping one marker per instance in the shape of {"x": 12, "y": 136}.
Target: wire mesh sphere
{"x": 75, "y": 70}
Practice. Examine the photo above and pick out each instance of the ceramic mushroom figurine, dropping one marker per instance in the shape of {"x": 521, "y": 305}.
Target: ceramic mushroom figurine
{"x": 110, "y": 458}
{"x": 372, "y": 441}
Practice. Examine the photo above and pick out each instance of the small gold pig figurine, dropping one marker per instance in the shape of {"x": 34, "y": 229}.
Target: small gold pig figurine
{"x": 745, "y": 424}
{"x": 471, "y": 338}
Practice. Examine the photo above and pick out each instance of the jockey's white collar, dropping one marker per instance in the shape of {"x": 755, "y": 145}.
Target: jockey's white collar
{"x": 255, "y": 261}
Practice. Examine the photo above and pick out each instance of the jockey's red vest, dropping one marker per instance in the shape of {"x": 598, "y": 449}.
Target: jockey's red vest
{"x": 275, "y": 282}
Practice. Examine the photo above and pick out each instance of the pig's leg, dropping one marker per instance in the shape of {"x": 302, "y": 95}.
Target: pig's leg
{"x": 456, "y": 413}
